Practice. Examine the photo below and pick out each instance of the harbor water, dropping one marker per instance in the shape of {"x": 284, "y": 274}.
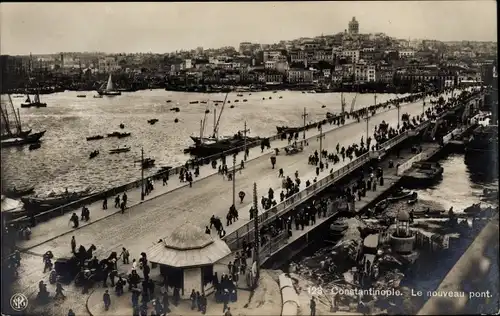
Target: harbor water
{"x": 63, "y": 159}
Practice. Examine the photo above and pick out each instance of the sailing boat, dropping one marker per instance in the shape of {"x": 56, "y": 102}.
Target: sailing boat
{"x": 12, "y": 133}
{"x": 6, "y": 131}
{"x": 110, "y": 89}
{"x": 35, "y": 103}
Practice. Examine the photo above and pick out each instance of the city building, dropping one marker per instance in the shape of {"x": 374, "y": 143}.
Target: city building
{"x": 271, "y": 55}
{"x": 299, "y": 76}
{"x": 352, "y": 56}
{"x": 406, "y": 54}
{"x": 353, "y": 26}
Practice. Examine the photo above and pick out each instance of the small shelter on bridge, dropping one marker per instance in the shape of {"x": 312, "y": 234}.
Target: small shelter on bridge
{"x": 186, "y": 258}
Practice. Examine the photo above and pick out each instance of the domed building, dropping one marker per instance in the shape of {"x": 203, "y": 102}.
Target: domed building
{"x": 186, "y": 258}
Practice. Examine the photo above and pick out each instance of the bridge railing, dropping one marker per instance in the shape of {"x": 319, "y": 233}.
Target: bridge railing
{"x": 246, "y": 232}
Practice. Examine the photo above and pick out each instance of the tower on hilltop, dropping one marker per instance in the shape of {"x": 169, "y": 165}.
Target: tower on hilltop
{"x": 353, "y": 26}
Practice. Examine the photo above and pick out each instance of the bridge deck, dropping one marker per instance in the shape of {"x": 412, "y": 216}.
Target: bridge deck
{"x": 145, "y": 223}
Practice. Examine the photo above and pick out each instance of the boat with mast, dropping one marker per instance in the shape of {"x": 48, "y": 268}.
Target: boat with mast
{"x": 109, "y": 90}
{"x": 35, "y": 102}
{"x": 12, "y": 133}
{"x": 207, "y": 146}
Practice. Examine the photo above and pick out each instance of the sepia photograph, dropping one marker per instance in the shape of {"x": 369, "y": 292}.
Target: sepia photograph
{"x": 263, "y": 158}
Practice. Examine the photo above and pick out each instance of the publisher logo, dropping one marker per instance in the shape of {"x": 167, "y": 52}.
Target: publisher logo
{"x": 18, "y": 302}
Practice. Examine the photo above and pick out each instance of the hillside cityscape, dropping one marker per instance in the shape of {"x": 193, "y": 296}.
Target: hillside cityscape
{"x": 349, "y": 60}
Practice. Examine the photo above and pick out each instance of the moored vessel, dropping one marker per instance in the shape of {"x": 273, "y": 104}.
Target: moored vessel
{"x": 110, "y": 89}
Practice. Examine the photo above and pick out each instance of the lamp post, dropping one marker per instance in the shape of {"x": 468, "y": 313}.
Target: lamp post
{"x": 245, "y": 130}
{"x": 320, "y": 137}
{"x": 256, "y": 234}
{"x": 304, "y": 117}
{"x": 142, "y": 174}
{"x": 234, "y": 179}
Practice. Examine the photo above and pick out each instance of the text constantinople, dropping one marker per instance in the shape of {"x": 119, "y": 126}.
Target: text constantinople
{"x": 313, "y": 290}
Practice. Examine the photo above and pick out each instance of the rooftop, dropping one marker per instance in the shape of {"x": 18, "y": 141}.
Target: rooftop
{"x": 188, "y": 246}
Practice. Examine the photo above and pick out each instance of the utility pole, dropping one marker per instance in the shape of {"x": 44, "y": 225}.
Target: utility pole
{"x": 234, "y": 179}
{"x": 320, "y": 137}
{"x": 304, "y": 117}
{"x": 399, "y": 115}
{"x": 256, "y": 232}
{"x": 367, "y": 120}
{"x": 245, "y": 130}
{"x": 142, "y": 173}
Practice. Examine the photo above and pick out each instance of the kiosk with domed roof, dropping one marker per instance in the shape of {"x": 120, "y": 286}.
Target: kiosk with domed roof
{"x": 186, "y": 258}
{"x": 403, "y": 238}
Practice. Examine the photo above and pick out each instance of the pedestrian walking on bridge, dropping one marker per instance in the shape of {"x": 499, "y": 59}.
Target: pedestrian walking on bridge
{"x": 73, "y": 244}
{"x": 273, "y": 161}
{"x": 241, "y": 194}
{"x": 117, "y": 201}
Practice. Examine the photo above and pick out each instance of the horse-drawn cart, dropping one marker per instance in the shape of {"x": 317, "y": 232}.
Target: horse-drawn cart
{"x": 293, "y": 149}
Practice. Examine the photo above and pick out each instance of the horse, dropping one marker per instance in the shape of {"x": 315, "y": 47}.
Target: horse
{"x": 84, "y": 254}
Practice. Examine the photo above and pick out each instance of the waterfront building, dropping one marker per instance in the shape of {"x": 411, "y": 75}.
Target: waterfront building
{"x": 299, "y": 76}
{"x": 353, "y": 26}
{"x": 186, "y": 258}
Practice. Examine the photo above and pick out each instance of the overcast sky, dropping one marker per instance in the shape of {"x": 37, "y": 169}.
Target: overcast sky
{"x": 165, "y": 27}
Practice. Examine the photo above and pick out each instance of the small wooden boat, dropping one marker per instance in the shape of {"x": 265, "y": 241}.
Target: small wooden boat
{"x": 146, "y": 163}
{"x": 175, "y": 109}
{"x": 122, "y": 126}
{"x": 123, "y": 135}
{"x": 232, "y": 107}
{"x": 228, "y": 101}
{"x": 16, "y": 193}
{"x": 428, "y": 212}
{"x": 98, "y": 96}
{"x": 119, "y": 150}
{"x": 270, "y": 98}
{"x": 94, "y": 154}
{"x": 207, "y": 111}
{"x": 275, "y": 91}
{"x": 81, "y": 96}
{"x": 239, "y": 95}
{"x": 194, "y": 102}
{"x": 281, "y": 97}
{"x": 176, "y": 120}
{"x": 323, "y": 106}
{"x": 236, "y": 100}
{"x": 203, "y": 102}
{"x": 35, "y": 146}
{"x": 412, "y": 201}
{"x": 263, "y": 98}
{"x": 54, "y": 201}
{"x": 114, "y": 134}
{"x": 473, "y": 209}
{"x": 168, "y": 101}
{"x": 96, "y": 137}
{"x": 152, "y": 121}
{"x": 245, "y": 100}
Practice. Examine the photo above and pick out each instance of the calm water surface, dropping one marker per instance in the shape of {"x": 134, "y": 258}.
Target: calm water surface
{"x": 62, "y": 161}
